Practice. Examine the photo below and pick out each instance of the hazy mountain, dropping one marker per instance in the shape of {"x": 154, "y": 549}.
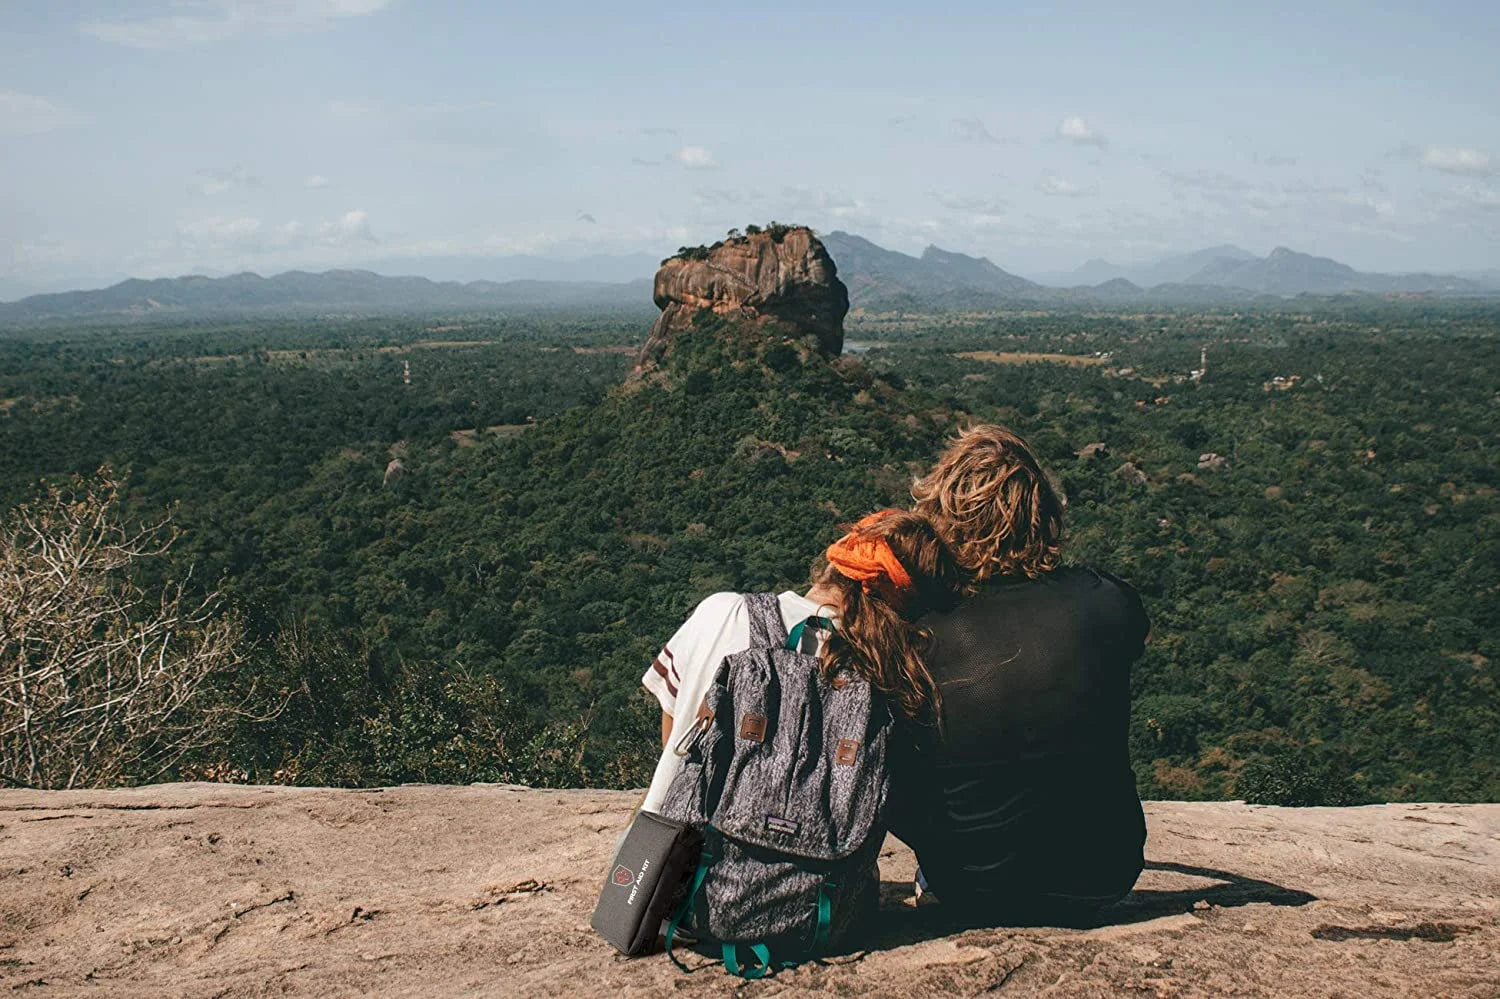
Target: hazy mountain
{"x": 880, "y": 279}
{"x": 300, "y": 291}
{"x": 1490, "y": 278}
{"x": 1116, "y": 289}
{"x": 1287, "y": 272}
{"x": 1173, "y": 269}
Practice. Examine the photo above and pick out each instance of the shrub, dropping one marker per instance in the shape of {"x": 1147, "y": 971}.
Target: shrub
{"x": 1295, "y": 778}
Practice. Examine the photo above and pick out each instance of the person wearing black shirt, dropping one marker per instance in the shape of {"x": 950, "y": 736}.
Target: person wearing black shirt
{"x": 1019, "y": 800}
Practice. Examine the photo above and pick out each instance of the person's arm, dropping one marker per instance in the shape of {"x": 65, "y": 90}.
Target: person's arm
{"x": 666, "y": 729}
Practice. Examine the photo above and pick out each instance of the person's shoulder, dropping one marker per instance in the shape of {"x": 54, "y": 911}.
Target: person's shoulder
{"x": 1094, "y": 576}
{"x": 717, "y": 606}
{"x": 1114, "y": 591}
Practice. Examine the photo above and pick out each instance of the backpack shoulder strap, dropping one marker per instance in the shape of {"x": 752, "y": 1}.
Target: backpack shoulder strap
{"x": 767, "y": 630}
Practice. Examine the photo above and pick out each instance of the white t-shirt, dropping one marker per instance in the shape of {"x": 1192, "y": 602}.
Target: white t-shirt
{"x": 684, "y": 670}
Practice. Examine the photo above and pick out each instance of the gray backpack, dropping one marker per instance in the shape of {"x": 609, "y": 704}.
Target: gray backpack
{"x": 785, "y": 776}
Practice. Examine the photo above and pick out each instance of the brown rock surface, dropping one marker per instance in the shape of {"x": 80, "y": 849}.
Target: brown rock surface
{"x": 791, "y": 280}
{"x": 217, "y": 890}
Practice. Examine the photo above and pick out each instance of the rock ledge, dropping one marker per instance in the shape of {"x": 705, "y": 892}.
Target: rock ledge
{"x": 218, "y": 890}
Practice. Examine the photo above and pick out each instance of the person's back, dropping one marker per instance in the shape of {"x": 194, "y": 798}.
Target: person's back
{"x": 1023, "y": 806}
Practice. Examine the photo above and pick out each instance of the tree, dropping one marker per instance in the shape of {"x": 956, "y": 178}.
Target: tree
{"x": 102, "y": 682}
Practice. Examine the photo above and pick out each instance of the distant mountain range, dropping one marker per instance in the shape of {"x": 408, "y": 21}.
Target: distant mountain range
{"x": 883, "y": 279}
{"x": 1175, "y": 269}
{"x": 1282, "y": 272}
{"x": 878, "y": 280}
{"x": 330, "y": 291}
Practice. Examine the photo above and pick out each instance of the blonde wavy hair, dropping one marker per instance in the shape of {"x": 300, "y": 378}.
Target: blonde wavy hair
{"x": 991, "y": 500}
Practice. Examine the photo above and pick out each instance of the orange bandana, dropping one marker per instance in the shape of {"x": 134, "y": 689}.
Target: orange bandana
{"x": 869, "y": 560}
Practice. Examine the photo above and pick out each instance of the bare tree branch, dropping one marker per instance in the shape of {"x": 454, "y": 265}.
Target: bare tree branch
{"x": 100, "y": 682}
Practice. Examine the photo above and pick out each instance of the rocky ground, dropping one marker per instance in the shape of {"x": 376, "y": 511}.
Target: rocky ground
{"x": 216, "y": 890}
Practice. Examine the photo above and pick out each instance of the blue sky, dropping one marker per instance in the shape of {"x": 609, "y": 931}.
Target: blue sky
{"x": 158, "y": 137}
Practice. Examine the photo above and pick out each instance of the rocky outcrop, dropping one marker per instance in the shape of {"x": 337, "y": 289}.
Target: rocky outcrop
{"x": 783, "y": 276}
{"x": 201, "y": 890}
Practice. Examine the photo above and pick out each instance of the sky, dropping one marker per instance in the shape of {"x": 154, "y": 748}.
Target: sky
{"x": 153, "y": 138}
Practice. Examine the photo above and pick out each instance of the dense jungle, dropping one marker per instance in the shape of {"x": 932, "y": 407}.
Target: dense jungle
{"x": 454, "y": 543}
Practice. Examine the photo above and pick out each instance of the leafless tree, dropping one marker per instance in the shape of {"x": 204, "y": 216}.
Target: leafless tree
{"x": 101, "y": 682}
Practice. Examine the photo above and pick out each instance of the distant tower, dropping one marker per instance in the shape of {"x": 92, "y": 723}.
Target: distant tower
{"x": 1202, "y": 369}
{"x": 405, "y": 372}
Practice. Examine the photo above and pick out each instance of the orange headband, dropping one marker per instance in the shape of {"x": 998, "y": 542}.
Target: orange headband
{"x": 865, "y": 559}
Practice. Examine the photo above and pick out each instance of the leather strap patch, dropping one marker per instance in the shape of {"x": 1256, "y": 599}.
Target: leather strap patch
{"x": 848, "y": 752}
{"x": 753, "y": 727}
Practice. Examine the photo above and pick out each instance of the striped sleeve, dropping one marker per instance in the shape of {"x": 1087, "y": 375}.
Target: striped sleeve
{"x": 690, "y": 656}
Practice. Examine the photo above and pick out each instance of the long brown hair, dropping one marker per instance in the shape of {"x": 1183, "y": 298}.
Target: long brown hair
{"x": 989, "y": 497}
{"x": 877, "y": 636}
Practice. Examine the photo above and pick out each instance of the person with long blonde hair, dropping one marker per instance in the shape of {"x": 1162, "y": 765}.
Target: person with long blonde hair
{"x": 1021, "y": 804}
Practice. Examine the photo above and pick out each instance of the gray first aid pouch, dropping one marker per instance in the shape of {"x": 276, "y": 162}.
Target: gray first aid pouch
{"x": 645, "y": 880}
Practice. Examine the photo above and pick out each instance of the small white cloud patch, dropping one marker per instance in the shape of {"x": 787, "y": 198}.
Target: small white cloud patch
{"x": 1462, "y": 161}
{"x": 217, "y": 180}
{"x": 1077, "y": 131}
{"x": 351, "y": 227}
{"x": 695, "y": 158}
{"x": 200, "y": 22}
{"x": 1054, "y": 186}
{"x": 315, "y": 180}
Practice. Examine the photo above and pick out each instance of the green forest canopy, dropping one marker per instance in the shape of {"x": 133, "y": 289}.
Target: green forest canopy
{"x": 1324, "y": 592}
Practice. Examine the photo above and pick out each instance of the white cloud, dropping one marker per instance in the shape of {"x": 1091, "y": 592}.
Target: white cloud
{"x": 217, "y": 180}
{"x": 1054, "y": 186}
{"x": 27, "y": 114}
{"x": 244, "y": 238}
{"x": 695, "y": 158}
{"x": 201, "y": 22}
{"x": 315, "y": 180}
{"x": 1486, "y": 198}
{"x": 1077, "y": 131}
{"x": 1466, "y": 162}
{"x": 351, "y": 227}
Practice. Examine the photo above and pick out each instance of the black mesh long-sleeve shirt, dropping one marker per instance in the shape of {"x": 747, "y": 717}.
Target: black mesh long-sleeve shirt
{"x": 1026, "y": 795}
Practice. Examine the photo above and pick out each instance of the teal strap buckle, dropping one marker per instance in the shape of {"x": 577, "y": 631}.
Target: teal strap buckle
{"x": 825, "y": 915}
{"x": 732, "y": 962}
{"x": 794, "y": 638}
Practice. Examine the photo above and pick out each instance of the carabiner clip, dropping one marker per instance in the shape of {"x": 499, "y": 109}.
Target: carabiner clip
{"x": 692, "y": 735}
